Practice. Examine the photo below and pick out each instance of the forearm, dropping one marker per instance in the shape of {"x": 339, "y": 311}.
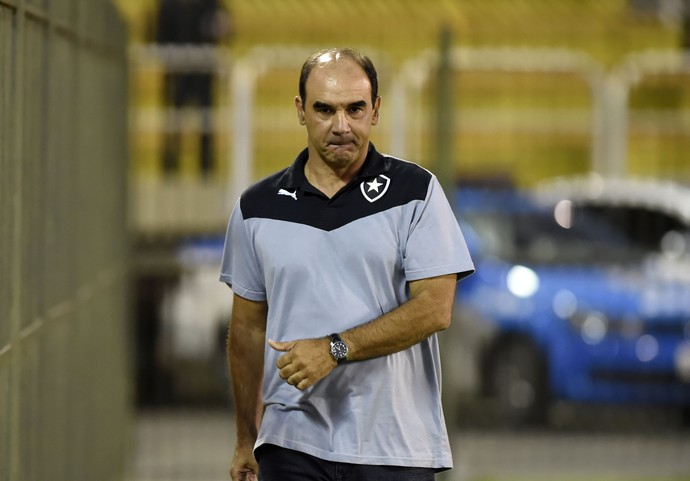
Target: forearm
{"x": 428, "y": 311}
{"x": 246, "y": 342}
{"x": 307, "y": 361}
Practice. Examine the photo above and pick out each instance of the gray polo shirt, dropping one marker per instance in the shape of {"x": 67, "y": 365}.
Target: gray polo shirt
{"x": 327, "y": 265}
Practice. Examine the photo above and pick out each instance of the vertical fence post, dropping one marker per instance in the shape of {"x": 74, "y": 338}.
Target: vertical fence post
{"x": 616, "y": 108}
{"x": 398, "y": 143}
{"x": 241, "y": 161}
{"x": 16, "y": 158}
{"x": 445, "y": 115}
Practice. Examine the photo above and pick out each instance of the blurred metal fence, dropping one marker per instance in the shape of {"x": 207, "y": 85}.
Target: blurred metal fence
{"x": 64, "y": 392}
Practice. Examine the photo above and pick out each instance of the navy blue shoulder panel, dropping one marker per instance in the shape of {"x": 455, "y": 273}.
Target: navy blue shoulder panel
{"x": 397, "y": 183}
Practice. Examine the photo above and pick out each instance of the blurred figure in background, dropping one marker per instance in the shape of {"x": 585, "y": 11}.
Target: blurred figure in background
{"x": 189, "y": 81}
{"x": 344, "y": 267}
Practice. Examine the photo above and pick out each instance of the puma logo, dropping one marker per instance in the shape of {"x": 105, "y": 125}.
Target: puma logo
{"x": 288, "y": 193}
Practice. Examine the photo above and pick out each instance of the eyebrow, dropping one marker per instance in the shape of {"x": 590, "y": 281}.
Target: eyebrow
{"x": 360, "y": 103}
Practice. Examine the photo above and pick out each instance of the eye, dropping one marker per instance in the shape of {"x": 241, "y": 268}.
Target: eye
{"x": 324, "y": 109}
{"x": 356, "y": 111}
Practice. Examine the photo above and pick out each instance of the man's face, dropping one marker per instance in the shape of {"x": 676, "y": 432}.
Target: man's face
{"x": 338, "y": 112}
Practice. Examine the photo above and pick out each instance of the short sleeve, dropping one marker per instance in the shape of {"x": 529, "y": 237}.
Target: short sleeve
{"x": 240, "y": 267}
{"x": 435, "y": 245}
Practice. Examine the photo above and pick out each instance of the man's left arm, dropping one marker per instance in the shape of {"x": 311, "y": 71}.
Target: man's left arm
{"x": 428, "y": 310}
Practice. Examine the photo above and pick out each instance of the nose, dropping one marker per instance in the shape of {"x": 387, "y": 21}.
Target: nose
{"x": 341, "y": 124}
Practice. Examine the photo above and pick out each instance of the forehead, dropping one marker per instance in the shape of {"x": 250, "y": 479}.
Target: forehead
{"x": 337, "y": 78}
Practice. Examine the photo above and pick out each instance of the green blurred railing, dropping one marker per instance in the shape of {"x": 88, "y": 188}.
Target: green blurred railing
{"x": 64, "y": 390}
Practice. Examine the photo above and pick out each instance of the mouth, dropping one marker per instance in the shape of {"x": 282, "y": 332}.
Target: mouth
{"x": 340, "y": 144}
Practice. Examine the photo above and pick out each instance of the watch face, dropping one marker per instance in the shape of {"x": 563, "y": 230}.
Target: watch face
{"x": 339, "y": 350}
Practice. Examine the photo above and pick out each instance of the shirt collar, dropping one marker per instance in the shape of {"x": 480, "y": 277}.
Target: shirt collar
{"x": 294, "y": 178}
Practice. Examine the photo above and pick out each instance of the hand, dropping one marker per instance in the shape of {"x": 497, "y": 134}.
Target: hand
{"x": 306, "y": 361}
{"x": 244, "y": 466}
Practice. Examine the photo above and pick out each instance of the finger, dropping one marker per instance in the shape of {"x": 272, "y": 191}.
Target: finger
{"x": 286, "y": 373}
{"x": 283, "y": 361}
{"x": 304, "y": 384}
{"x": 299, "y": 381}
{"x": 281, "y": 346}
{"x": 294, "y": 380}
{"x": 297, "y": 378}
{"x": 243, "y": 474}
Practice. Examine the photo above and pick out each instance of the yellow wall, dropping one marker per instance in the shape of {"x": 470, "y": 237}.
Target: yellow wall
{"x": 607, "y": 30}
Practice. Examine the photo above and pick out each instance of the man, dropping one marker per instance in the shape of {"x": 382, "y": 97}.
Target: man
{"x": 343, "y": 268}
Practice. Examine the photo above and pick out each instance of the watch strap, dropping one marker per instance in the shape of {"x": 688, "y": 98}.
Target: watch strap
{"x": 335, "y": 337}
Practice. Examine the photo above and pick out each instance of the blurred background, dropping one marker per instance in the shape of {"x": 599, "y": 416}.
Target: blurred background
{"x": 559, "y": 128}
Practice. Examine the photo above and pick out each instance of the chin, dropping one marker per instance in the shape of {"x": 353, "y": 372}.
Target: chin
{"x": 341, "y": 157}
{"x": 340, "y": 161}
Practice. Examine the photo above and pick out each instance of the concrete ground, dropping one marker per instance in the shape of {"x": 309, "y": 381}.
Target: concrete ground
{"x": 194, "y": 445}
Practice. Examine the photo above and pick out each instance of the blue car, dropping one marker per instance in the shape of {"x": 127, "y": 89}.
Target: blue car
{"x": 568, "y": 308}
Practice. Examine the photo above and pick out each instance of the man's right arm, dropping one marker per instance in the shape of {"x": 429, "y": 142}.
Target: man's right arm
{"x": 246, "y": 343}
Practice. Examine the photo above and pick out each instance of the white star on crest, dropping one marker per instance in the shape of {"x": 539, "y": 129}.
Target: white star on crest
{"x": 374, "y": 185}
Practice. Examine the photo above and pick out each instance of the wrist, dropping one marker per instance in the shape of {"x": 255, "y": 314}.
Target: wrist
{"x": 338, "y": 348}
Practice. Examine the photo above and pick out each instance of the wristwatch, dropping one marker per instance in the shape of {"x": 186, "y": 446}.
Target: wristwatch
{"x": 339, "y": 349}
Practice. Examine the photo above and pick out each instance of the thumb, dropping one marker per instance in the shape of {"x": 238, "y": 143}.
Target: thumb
{"x": 281, "y": 346}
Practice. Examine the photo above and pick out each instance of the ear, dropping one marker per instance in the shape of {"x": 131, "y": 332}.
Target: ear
{"x": 300, "y": 110}
{"x": 377, "y": 106}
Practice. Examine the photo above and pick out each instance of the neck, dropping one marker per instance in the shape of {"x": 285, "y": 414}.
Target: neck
{"x": 325, "y": 179}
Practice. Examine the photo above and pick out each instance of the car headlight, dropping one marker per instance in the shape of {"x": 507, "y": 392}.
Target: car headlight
{"x": 522, "y": 281}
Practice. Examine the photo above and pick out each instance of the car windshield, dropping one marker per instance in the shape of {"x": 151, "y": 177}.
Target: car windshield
{"x": 550, "y": 237}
